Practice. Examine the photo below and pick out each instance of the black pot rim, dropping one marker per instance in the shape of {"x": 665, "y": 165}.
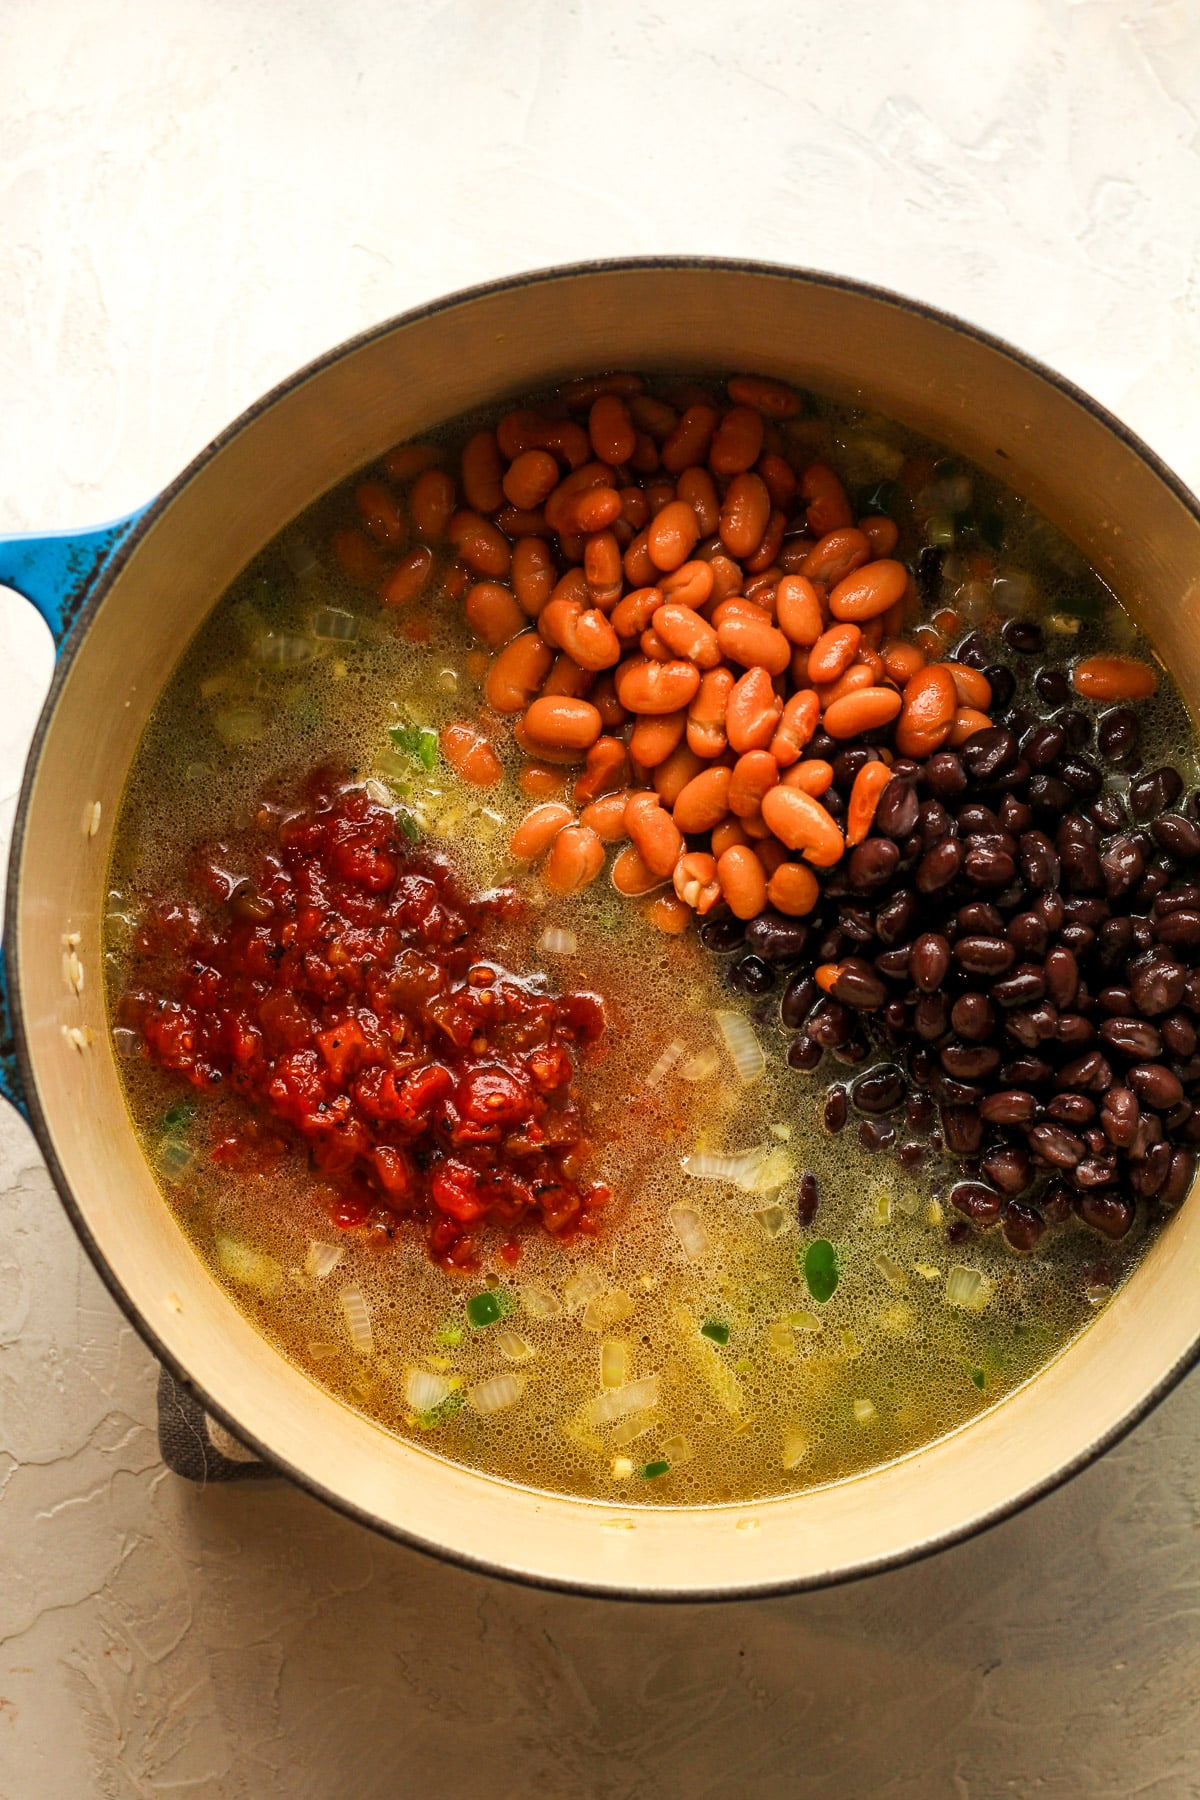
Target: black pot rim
{"x": 11, "y": 949}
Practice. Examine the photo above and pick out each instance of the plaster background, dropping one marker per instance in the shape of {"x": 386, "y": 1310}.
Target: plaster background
{"x": 195, "y": 198}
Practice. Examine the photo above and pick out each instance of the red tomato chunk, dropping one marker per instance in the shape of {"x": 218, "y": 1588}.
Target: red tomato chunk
{"x": 339, "y": 987}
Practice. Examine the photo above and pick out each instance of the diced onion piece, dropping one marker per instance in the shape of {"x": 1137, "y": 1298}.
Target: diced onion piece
{"x": 249, "y": 1268}
{"x": 773, "y": 1219}
{"x": 1098, "y": 1294}
{"x": 238, "y": 725}
{"x": 892, "y": 1273}
{"x": 967, "y": 1288}
{"x": 298, "y": 554}
{"x": 779, "y": 1337}
{"x": 622, "y": 1467}
{"x": 606, "y": 1309}
{"x": 864, "y": 1412}
{"x": 379, "y": 792}
{"x": 127, "y": 1042}
{"x": 283, "y": 650}
{"x": 332, "y": 622}
{"x": 881, "y": 1205}
{"x": 556, "y": 941}
{"x": 897, "y": 1318}
{"x": 795, "y": 1448}
{"x": 770, "y": 1173}
{"x": 743, "y": 1046}
{"x": 782, "y": 1132}
{"x": 583, "y": 1287}
{"x": 629, "y": 1430}
{"x": 512, "y": 1346}
{"x": 618, "y": 1403}
{"x": 497, "y": 1392}
{"x": 677, "y": 1450}
{"x": 614, "y": 1363}
{"x": 803, "y": 1320}
{"x": 174, "y": 1160}
{"x": 540, "y": 1303}
{"x": 424, "y": 1391}
{"x": 701, "y": 1067}
{"x": 689, "y": 1229}
{"x": 322, "y": 1259}
{"x": 357, "y": 1316}
{"x": 665, "y": 1063}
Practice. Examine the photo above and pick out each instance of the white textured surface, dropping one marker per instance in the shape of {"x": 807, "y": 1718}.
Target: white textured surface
{"x": 194, "y": 199}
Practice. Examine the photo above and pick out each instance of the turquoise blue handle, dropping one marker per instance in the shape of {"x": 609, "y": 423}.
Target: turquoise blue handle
{"x": 55, "y": 571}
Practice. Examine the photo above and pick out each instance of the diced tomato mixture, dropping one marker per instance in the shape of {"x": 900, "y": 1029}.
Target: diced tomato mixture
{"x": 338, "y": 984}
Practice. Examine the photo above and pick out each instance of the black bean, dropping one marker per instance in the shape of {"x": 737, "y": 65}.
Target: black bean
{"x": 808, "y": 1198}
{"x": 984, "y": 955}
{"x": 1179, "y": 929}
{"x": 1177, "y": 835}
{"x": 975, "y": 818}
{"x": 1022, "y": 1224}
{"x": 973, "y": 1017}
{"x": 945, "y": 776}
{"x": 1056, "y": 1145}
{"x": 972, "y": 652}
{"x": 872, "y": 864}
{"x": 976, "y": 1201}
{"x": 1179, "y": 1035}
{"x": 1108, "y": 1213}
{"x": 931, "y": 1017}
{"x": 1149, "y": 1173}
{"x": 1078, "y": 729}
{"x": 1109, "y": 812}
{"x": 929, "y": 573}
{"x": 985, "y": 754}
{"x": 1056, "y": 1203}
{"x": 1071, "y": 1109}
{"x": 751, "y": 975}
{"x": 934, "y": 823}
{"x": 830, "y": 1024}
{"x": 1078, "y": 939}
{"x": 1156, "y": 983}
{"x": 821, "y": 745}
{"x": 988, "y": 865}
{"x": 1049, "y": 796}
{"x": 874, "y": 1136}
{"x": 969, "y": 1062}
{"x": 929, "y": 961}
{"x": 1118, "y": 733}
{"x": 1184, "y": 897}
{"x": 1132, "y": 1037}
{"x": 857, "y": 984}
{"x": 1015, "y": 816}
{"x": 1087, "y": 1071}
{"x": 1040, "y": 864}
{"x": 1027, "y": 934}
{"x": 1179, "y": 1178}
{"x": 896, "y": 917}
{"x": 1074, "y": 1032}
{"x": 1052, "y": 686}
{"x": 1025, "y": 1071}
{"x": 1094, "y": 1172}
{"x": 799, "y": 997}
{"x": 963, "y": 1127}
{"x": 837, "y": 1109}
{"x": 1003, "y": 684}
{"x": 918, "y": 1112}
{"x": 1152, "y": 793}
{"x": 1155, "y": 1085}
{"x": 722, "y": 935}
{"x": 855, "y": 1050}
{"x": 1024, "y": 636}
{"x": 911, "y": 1156}
{"x": 1081, "y": 775}
{"x": 848, "y": 762}
{"x": 893, "y": 964}
{"x": 896, "y": 813}
{"x": 1119, "y": 1116}
{"x": 1062, "y": 977}
{"x": 1010, "y": 1106}
{"x": 880, "y": 1090}
{"x": 1008, "y": 1168}
{"x": 855, "y": 922}
{"x": 1026, "y": 983}
{"x": 1044, "y": 745}
{"x": 804, "y": 1053}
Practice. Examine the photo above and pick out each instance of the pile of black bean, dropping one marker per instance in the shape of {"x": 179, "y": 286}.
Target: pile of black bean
{"x": 1018, "y": 945}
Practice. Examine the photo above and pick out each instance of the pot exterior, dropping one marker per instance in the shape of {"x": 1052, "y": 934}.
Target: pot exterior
{"x": 1132, "y": 519}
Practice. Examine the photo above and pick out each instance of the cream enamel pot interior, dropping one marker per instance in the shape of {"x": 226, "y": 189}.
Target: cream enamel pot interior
{"x": 159, "y": 576}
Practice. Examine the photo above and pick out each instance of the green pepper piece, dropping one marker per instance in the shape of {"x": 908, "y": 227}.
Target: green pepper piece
{"x": 416, "y": 741}
{"x": 716, "y": 1330}
{"x": 652, "y": 1470}
{"x": 408, "y": 825}
{"x": 820, "y": 1269}
{"x": 177, "y": 1118}
{"x": 484, "y": 1309}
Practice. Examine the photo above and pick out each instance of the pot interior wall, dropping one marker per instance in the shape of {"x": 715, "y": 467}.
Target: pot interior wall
{"x": 970, "y": 395}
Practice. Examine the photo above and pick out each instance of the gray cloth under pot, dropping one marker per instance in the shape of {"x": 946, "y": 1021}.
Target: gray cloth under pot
{"x": 195, "y": 1445}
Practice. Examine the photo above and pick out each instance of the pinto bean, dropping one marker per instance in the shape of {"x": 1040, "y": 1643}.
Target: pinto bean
{"x": 779, "y": 479}
{"x": 533, "y": 574}
{"x": 493, "y": 613}
{"x": 689, "y": 441}
{"x": 656, "y": 687}
{"x": 409, "y": 577}
{"x": 801, "y": 823}
{"x": 737, "y": 442}
{"x": 927, "y": 714}
{"x": 852, "y": 714}
{"x": 688, "y": 635}
{"x": 673, "y": 774}
{"x": 518, "y": 672}
{"x": 1114, "y": 678}
{"x": 743, "y": 881}
{"x": 480, "y": 544}
{"x": 531, "y": 479}
{"x": 881, "y": 533}
{"x": 971, "y": 685}
{"x": 672, "y": 535}
{"x": 470, "y": 755}
{"x": 538, "y": 829}
{"x": 706, "y": 734}
{"x": 589, "y": 639}
{"x": 380, "y": 513}
{"x": 690, "y": 585}
{"x": 602, "y": 569}
{"x": 567, "y": 680}
{"x": 668, "y": 913}
{"x": 793, "y": 889}
{"x": 655, "y": 835}
{"x": 407, "y": 461}
{"x": 966, "y": 724}
{"x": 865, "y": 795}
{"x": 694, "y": 879}
{"x": 541, "y": 780}
{"x": 697, "y": 488}
{"x": 773, "y": 398}
{"x": 812, "y": 776}
{"x": 798, "y": 610}
{"x": 559, "y": 723}
{"x": 858, "y": 676}
{"x": 482, "y": 472}
{"x": 606, "y": 769}
{"x": 836, "y": 555}
{"x": 833, "y": 653}
{"x": 704, "y": 802}
{"x": 611, "y": 429}
{"x": 797, "y": 722}
{"x": 745, "y": 513}
{"x": 754, "y": 643}
{"x": 869, "y": 591}
{"x": 357, "y": 556}
{"x": 727, "y": 576}
{"x": 630, "y": 616}
{"x": 576, "y": 858}
{"x": 752, "y": 712}
{"x": 727, "y": 833}
{"x": 655, "y": 736}
{"x": 754, "y": 774}
{"x": 606, "y": 816}
{"x": 824, "y": 497}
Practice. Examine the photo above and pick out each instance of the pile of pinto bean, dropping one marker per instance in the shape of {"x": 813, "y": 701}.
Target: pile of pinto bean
{"x": 710, "y": 665}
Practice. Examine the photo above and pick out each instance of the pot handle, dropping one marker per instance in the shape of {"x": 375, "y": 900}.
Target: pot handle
{"x": 55, "y": 571}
